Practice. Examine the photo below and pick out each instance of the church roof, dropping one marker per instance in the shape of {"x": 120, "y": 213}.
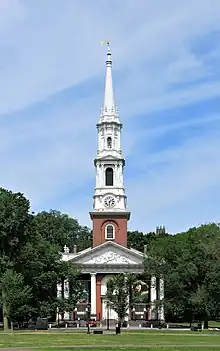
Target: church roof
{"x": 108, "y": 254}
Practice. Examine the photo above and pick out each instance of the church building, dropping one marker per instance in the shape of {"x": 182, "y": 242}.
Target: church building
{"x": 109, "y": 254}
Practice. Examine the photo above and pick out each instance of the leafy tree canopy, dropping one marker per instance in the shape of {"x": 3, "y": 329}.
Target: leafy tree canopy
{"x": 189, "y": 263}
{"x": 61, "y": 229}
{"x": 30, "y": 248}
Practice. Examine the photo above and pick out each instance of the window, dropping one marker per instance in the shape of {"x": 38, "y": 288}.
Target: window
{"x": 109, "y": 232}
{"x": 109, "y": 176}
{"x": 109, "y": 142}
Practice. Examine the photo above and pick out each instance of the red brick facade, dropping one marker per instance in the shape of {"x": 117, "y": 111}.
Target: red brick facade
{"x": 119, "y": 221}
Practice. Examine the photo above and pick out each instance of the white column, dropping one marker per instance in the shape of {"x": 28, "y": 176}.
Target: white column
{"x": 115, "y": 175}
{"x": 99, "y": 139}
{"x": 119, "y": 139}
{"x": 97, "y": 176}
{"x": 102, "y": 177}
{"x": 161, "y": 292}
{"x": 59, "y": 295}
{"x": 93, "y": 293}
{"x": 121, "y": 176}
{"x": 66, "y": 296}
{"x": 153, "y": 297}
{"x": 59, "y": 290}
{"x": 127, "y": 318}
{"x": 66, "y": 289}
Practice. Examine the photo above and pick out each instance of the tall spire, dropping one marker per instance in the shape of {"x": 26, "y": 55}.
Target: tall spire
{"x": 109, "y": 104}
{"x": 109, "y": 162}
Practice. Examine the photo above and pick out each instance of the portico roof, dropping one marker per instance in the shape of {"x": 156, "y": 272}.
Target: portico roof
{"x": 107, "y": 257}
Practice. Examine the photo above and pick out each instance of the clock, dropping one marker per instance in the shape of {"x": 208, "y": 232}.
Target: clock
{"x": 109, "y": 201}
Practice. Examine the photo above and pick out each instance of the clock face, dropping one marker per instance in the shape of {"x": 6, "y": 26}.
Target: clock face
{"x": 109, "y": 201}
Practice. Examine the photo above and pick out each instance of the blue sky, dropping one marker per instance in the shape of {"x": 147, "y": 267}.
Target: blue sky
{"x": 166, "y": 76}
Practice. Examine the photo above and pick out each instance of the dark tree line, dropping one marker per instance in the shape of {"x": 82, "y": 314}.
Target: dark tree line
{"x": 139, "y": 240}
{"x": 189, "y": 262}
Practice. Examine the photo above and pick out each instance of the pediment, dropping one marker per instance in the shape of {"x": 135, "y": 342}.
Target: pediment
{"x": 109, "y": 254}
{"x": 110, "y": 257}
{"x": 109, "y": 158}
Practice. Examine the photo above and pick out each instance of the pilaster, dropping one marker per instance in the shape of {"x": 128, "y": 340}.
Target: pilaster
{"x": 98, "y": 297}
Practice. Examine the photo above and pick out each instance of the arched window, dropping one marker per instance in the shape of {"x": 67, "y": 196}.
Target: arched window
{"x": 109, "y": 176}
{"x": 109, "y": 232}
{"x": 109, "y": 142}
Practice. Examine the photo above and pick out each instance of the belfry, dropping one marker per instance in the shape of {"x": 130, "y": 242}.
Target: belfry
{"x": 109, "y": 254}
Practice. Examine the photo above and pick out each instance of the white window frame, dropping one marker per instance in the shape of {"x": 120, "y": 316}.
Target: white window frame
{"x": 106, "y": 237}
{"x": 113, "y": 175}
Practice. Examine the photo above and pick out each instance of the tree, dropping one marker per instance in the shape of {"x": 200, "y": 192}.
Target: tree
{"x": 122, "y": 291}
{"x": 189, "y": 263}
{"x": 14, "y": 225}
{"x": 61, "y": 229}
{"x": 76, "y": 291}
{"x": 117, "y": 295}
{"x": 137, "y": 289}
{"x": 14, "y": 234}
{"x": 15, "y": 296}
{"x": 31, "y": 245}
{"x": 75, "y": 288}
{"x": 42, "y": 267}
{"x": 137, "y": 240}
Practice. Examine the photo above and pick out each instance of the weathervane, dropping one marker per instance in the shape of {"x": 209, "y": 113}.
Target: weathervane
{"x": 106, "y": 42}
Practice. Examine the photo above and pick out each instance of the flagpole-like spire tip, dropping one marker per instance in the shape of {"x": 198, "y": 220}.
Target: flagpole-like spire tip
{"x": 107, "y": 42}
{"x": 109, "y": 105}
{"x": 108, "y": 45}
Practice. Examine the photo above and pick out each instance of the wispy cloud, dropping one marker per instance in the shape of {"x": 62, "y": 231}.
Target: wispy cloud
{"x": 166, "y": 77}
{"x": 179, "y": 177}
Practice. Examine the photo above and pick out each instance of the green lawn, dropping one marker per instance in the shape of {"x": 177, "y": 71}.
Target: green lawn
{"x": 211, "y": 324}
{"x": 160, "y": 340}
{"x": 135, "y": 349}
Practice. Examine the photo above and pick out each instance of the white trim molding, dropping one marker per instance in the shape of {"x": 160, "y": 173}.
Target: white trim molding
{"x": 106, "y": 232}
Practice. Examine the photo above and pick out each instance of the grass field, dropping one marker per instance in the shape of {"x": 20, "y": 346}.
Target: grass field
{"x": 131, "y": 349}
{"x": 139, "y": 340}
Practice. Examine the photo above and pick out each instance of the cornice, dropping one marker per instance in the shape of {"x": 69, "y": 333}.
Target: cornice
{"x": 110, "y": 215}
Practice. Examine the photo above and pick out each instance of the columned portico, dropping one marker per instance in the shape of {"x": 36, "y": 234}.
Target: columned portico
{"x": 104, "y": 261}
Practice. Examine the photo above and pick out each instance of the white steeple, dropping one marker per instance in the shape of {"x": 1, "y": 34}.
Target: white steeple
{"x": 109, "y": 162}
{"x": 109, "y": 103}
{"x": 109, "y": 110}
